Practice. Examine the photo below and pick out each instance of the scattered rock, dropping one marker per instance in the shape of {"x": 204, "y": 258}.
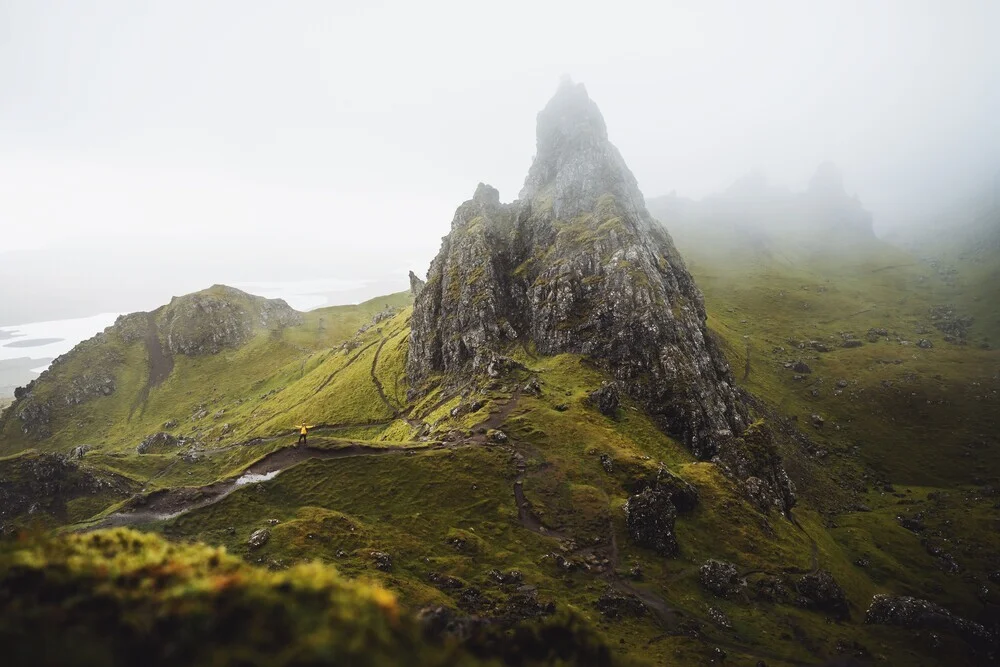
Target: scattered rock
{"x": 851, "y": 343}
{"x": 650, "y": 517}
{"x": 607, "y": 464}
{"x": 606, "y": 399}
{"x": 817, "y": 420}
{"x": 924, "y": 344}
{"x": 947, "y": 320}
{"x": 445, "y": 581}
{"x": 819, "y": 590}
{"x": 770, "y": 588}
{"x": 560, "y": 407}
{"x": 876, "y": 334}
{"x": 801, "y": 367}
{"x": 383, "y": 561}
{"x": 913, "y": 523}
{"x": 496, "y": 435}
{"x": 512, "y": 578}
{"x": 259, "y": 538}
{"x": 615, "y": 605}
{"x": 169, "y": 424}
{"x": 721, "y": 578}
{"x": 79, "y": 451}
{"x": 157, "y": 442}
{"x": 719, "y": 618}
{"x": 914, "y": 613}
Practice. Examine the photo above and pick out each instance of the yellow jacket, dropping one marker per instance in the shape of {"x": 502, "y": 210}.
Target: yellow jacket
{"x": 305, "y": 429}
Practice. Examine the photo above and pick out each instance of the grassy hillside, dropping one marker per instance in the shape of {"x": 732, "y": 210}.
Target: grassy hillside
{"x": 502, "y": 498}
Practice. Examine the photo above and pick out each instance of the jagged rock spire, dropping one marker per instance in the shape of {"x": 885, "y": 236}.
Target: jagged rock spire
{"x": 827, "y": 181}
{"x": 575, "y": 163}
{"x": 578, "y": 265}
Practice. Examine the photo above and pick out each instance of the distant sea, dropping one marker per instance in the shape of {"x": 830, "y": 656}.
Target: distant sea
{"x": 27, "y": 349}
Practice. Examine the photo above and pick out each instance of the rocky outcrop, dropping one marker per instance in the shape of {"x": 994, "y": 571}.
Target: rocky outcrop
{"x": 32, "y": 483}
{"x": 914, "y": 613}
{"x": 205, "y": 322}
{"x": 650, "y": 513}
{"x": 578, "y": 265}
{"x": 259, "y": 538}
{"x": 157, "y": 443}
{"x": 819, "y": 590}
{"x": 220, "y": 317}
{"x": 606, "y": 400}
{"x": 720, "y": 578}
{"x": 416, "y": 285}
{"x": 650, "y": 517}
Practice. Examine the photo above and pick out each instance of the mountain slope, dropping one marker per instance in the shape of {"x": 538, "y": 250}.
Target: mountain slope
{"x": 499, "y": 458}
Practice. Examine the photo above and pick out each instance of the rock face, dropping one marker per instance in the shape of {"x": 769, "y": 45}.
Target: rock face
{"x": 578, "y": 265}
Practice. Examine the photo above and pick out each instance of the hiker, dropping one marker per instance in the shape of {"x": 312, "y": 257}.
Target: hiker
{"x": 303, "y": 431}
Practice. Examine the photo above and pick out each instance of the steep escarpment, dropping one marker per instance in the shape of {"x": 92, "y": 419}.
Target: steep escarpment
{"x": 577, "y": 264}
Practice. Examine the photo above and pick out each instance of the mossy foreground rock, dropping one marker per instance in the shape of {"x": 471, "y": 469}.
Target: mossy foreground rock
{"x": 126, "y": 598}
{"x": 578, "y": 265}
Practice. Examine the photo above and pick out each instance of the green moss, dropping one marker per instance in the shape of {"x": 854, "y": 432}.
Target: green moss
{"x": 117, "y": 597}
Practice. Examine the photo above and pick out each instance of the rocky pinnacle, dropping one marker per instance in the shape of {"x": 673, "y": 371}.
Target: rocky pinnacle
{"x": 577, "y": 264}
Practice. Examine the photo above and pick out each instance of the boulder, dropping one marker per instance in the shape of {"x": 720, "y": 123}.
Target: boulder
{"x": 606, "y": 399}
{"x": 259, "y": 538}
{"x": 720, "y": 578}
{"x": 615, "y": 605}
{"x": 383, "y": 561}
{"x": 649, "y": 517}
{"x": 79, "y": 451}
{"x": 819, "y": 590}
{"x": 157, "y": 443}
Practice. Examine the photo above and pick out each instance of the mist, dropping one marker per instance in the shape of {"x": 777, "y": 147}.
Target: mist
{"x": 152, "y": 149}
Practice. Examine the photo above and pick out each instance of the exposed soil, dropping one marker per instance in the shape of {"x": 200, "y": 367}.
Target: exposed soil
{"x": 160, "y": 364}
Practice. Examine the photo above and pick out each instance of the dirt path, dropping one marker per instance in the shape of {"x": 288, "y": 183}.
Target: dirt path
{"x": 170, "y": 503}
{"x": 160, "y": 364}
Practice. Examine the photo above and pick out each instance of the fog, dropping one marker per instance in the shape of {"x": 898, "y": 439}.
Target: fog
{"x": 152, "y": 148}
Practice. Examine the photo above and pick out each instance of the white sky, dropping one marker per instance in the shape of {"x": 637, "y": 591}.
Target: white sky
{"x": 352, "y": 130}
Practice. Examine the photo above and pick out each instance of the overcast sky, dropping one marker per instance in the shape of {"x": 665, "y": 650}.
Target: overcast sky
{"x": 348, "y": 132}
